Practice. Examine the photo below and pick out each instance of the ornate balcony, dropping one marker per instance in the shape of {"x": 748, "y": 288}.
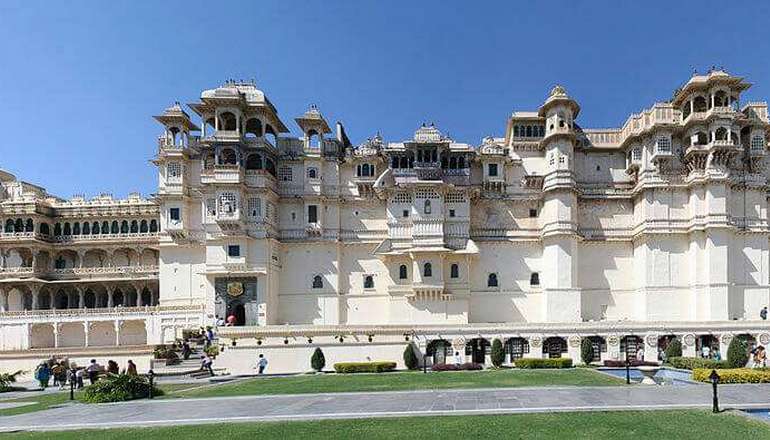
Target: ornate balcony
{"x": 229, "y": 174}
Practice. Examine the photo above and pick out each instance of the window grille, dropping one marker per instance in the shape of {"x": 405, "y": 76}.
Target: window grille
{"x": 285, "y": 174}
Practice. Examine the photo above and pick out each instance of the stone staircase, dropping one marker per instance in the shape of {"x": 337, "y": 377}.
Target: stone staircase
{"x": 188, "y": 368}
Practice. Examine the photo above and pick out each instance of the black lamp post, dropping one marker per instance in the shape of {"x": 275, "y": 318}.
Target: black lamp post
{"x": 73, "y": 373}
{"x": 714, "y": 381}
{"x": 628, "y": 366}
{"x": 425, "y": 363}
{"x": 151, "y": 376}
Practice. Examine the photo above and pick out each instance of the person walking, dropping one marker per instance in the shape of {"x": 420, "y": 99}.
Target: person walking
{"x": 705, "y": 352}
{"x": 79, "y": 377}
{"x": 93, "y": 371}
{"x": 763, "y": 313}
{"x": 206, "y": 363}
{"x": 43, "y": 374}
{"x": 186, "y": 350}
{"x": 131, "y": 368}
{"x": 761, "y": 355}
{"x": 261, "y": 363}
{"x": 112, "y": 367}
{"x": 56, "y": 372}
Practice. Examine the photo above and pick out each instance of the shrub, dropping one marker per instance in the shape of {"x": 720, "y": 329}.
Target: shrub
{"x": 674, "y": 349}
{"x": 691, "y": 363}
{"x": 410, "y": 359}
{"x": 6, "y": 379}
{"x": 317, "y": 360}
{"x": 119, "y": 388}
{"x": 457, "y": 367}
{"x": 364, "y": 367}
{"x": 737, "y": 353}
{"x": 498, "y": 354}
{"x": 165, "y": 352}
{"x": 211, "y": 351}
{"x": 733, "y": 375}
{"x": 544, "y": 363}
{"x": 586, "y": 351}
{"x": 631, "y": 363}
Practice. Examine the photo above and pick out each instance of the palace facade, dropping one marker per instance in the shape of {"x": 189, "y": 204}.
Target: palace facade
{"x": 544, "y": 236}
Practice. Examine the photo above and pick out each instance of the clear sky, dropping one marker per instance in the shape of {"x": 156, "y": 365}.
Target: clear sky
{"x": 79, "y": 81}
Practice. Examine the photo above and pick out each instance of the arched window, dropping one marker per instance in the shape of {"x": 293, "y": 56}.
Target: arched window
{"x": 30, "y": 226}
{"x": 461, "y": 162}
{"x": 95, "y": 228}
{"x": 227, "y": 157}
{"x": 227, "y": 121}
{"x": 9, "y": 225}
{"x": 700, "y": 138}
{"x": 86, "y": 228}
{"x": 115, "y": 228}
{"x": 427, "y": 270}
{"x": 76, "y": 228}
{"x": 153, "y": 225}
{"x": 699, "y": 104}
{"x": 529, "y": 131}
{"x": 318, "y": 282}
{"x": 368, "y": 282}
{"x": 56, "y": 229}
{"x": 515, "y": 131}
{"x": 534, "y": 279}
{"x": 454, "y": 271}
{"x": 134, "y": 226}
{"x": 426, "y": 207}
{"x": 402, "y": 275}
{"x": 105, "y": 228}
{"x": 492, "y": 280}
{"x": 720, "y": 134}
{"x": 253, "y": 128}
{"x": 254, "y": 162}
{"x": 143, "y": 226}
{"x": 312, "y": 173}
{"x": 19, "y": 225}
{"x": 67, "y": 229}
{"x": 124, "y": 227}
{"x": 313, "y": 139}
{"x": 44, "y": 229}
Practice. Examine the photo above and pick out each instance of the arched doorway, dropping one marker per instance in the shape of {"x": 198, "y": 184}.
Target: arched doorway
{"x": 477, "y": 349}
{"x": 629, "y": 346}
{"x": 598, "y": 346}
{"x": 554, "y": 347}
{"x": 439, "y": 349}
{"x": 239, "y": 311}
{"x": 516, "y": 348}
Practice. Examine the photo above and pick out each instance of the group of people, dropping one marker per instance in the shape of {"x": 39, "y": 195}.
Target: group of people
{"x": 229, "y": 322}
{"x": 758, "y": 357}
{"x": 64, "y": 372}
{"x": 707, "y": 352}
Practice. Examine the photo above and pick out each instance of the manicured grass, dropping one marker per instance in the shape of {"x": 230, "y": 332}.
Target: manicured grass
{"x": 45, "y": 401}
{"x": 413, "y": 380}
{"x": 681, "y": 425}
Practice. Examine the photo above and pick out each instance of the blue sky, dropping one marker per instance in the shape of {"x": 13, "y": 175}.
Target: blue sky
{"x": 80, "y": 81}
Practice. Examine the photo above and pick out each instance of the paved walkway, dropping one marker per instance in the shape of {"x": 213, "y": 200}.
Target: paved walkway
{"x": 385, "y": 404}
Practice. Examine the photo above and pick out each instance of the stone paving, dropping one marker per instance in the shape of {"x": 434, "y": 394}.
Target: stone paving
{"x": 385, "y": 404}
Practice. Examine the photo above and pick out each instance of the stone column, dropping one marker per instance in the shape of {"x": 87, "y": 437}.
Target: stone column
{"x": 35, "y": 291}
{"x": 81, "y": 297}
{"x": 3, "y": 300}
{"x": 51, "y": 300}
{"x": 81, "y": 255}
{"x": 118, "y": 324}
{"x": 110, "y": 292}
{"x": 86, "y": 330}
{"x": 56, "y": 329}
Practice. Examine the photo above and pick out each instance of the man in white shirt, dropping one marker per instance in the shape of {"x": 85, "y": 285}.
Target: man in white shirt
{"x": 261, "y": 363}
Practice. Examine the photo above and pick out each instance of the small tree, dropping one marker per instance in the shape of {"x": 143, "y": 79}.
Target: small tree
{"x": 318, "y": 361}
{"x": 410, "y": 359}
{"x": 498, "y": 354}
{"x": 737, "y": 353}
{"x": 674, "y": 349}
{"x": 586, "y": 351}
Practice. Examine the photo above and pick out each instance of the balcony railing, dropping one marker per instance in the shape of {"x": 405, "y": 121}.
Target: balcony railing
{"x": 108, "y": 270}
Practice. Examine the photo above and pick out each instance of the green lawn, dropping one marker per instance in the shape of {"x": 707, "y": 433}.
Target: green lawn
{"x": 680, "y": 425}
{"x": 332, "y": 383}
{"x": 45, "y": 401}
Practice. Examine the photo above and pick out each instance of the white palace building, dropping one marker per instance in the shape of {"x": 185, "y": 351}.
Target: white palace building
{"x": 541, "y": 237}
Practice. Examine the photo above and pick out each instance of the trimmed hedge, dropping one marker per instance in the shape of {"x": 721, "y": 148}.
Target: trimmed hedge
{"x": 457, "y": 367}
{"x": 410, "y": 359}
{"x": 631, "y": 363}
{"x": 586, "y": 351}
{"x": 119, "y": 388}
{"x": 498, "y": 354}
{"x": 738, "y": 353}
{"x": 734, "y": 375}
{"x": 318, "y": 360}
{"x": 543, "y": 363}
{"x": 364, "y": 367}
{"x": 691, "y": 363}
{"x": 674, "y": 349}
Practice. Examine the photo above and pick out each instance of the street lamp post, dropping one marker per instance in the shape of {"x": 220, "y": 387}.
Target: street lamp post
{"x": 151, "y": 376}
{"x": 73, "y": 373}
{"x": 628, "y": 366}
{"x": 714, "y": 381}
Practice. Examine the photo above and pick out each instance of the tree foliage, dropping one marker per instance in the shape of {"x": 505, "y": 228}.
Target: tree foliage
{"x": 498, "y": 354}
{"x": 410, "y": 359}
{"x": 318, "y": 361}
